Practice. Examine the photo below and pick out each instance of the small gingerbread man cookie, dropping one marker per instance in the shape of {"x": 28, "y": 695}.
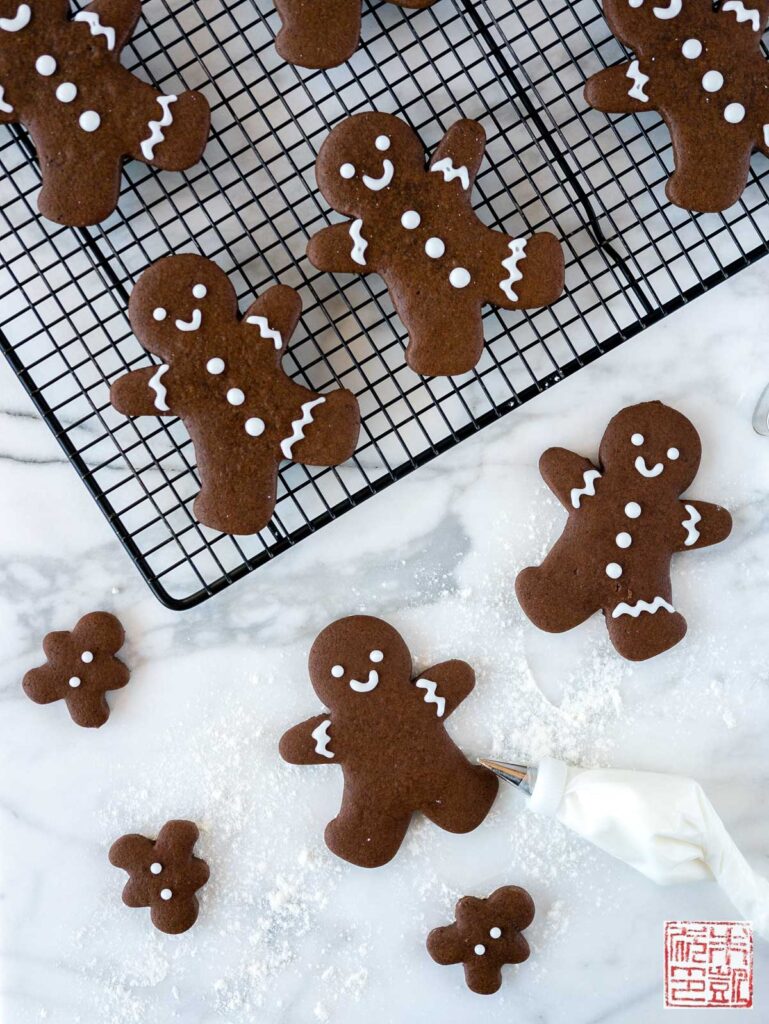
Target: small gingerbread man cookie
{"x": 387, "y": 732}
{"x": 485, "y": 935}
{"x": 626, "y": 520}
{"x": 416, "y": 227}
{"x": 223, "y": 377}
{"x": 164, "y": 875}
{"x": 63, "y": 80}
{"x": 81, "y": 668}
{"x": 700, "y": 64}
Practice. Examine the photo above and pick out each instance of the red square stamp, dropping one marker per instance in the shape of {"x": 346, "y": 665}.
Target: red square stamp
{"x": 708, "y": 963}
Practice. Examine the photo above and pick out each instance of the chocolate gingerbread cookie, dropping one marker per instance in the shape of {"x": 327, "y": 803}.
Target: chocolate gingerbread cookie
{"x": 387, "y": 732}
{"x": 416, "y": 227}
{"x": 223, "y": 377}
{"x": 626, "y": 520}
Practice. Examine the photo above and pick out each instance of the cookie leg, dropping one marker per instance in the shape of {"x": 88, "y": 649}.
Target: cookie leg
{"x": 63, "y": 200}
{"x": 647, "y": 635}
{"x": 554, "y": 597}
{"x": 236, "y": 496}
{"x": 318, "y": 34}
{"x": 445, "y": 338}
{"x": 366, "y": 834}
{"x": 465, "y": 801}
{"x": 693, "y": 185}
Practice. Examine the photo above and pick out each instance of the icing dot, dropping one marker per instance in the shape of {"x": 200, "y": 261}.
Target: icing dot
{"x": 254, "y": 426}
{"x": 382, "y": 143}
{"x": 156, "y": 868}
{"x": 337, "y": 671}
{"x": 691, "y": 49}
{"x": 411, "y": 220}
{"x": 637, "y": 439}
{"x": 235, "y": 396}
{"x": 459, "y": 277}
{"x": 632, "y": 510}
{"x": 66, "y": 92}
{"x": 159, "y": 313}
{"x": 734, "y": 113}
{"x": 215, "y": 365}
{"x": 613, "y": 570}
{"x": 87, "y": 657}
{"x": 376, "y": 656}
{"x": 712, "y": 81}
{"x": 623, "y": 540}
{"x": 673, "y": 454}
{"x": 480, "y": 949}
{"x": 435, "y": 248}
{"x": 45, "y": 65}
{"x": 495, "y": 932}
{"x": 165, "y": 894}
{"x": 200, "y": 291}
{"x": 74, "y": 682}
{"x": 347, "y": 171}
{"x": 89, "y": 121}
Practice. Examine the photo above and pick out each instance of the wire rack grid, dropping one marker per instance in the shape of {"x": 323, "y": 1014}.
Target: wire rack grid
{"x": 252, "y": 202}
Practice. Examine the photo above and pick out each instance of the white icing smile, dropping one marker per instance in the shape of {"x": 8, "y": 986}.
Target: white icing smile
{"x": 371, "y": 683}
{"x": 19, "y": 21}
{"x": 192, "y": 324}
{"x": 644, "y": 470}
{"x": 377, "y": 184}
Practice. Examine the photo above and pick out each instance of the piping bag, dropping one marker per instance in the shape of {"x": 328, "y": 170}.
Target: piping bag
{"x": 662, "y": 825}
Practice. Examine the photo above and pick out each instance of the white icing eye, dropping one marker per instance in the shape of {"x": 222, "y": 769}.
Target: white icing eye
{"x": 459, "y": 277}
{"x": 712, "y": 81}
{"x": 382, "y": 143}
{"x": 89, "y": 121}
{"x": 376, "y": 656}
{"x": 495, "y": 932}
{"x": 613, "y": 570}
{"x": 87, "y": 657}
{"x": 347, "y": 171}
{"x": 337, "y": 671}
{"x": 165, "y": 894}
{"x": 199, "y": 291}
{"x": 159, "y": 313}
{"x": 435, "y": 248}
{"x": 623, "y": 540}
{"x": 215, "y": 365}
{"x": 734, "y": 113}
{"x": 74, "y": 682}
{"x": 411, "y": 220}
{"x": 235, "y": 396}
{"x": 45, "y": 65}
{"x": 691, "y": 49}
{"x": 254, "y": 426}
{"x": 673, "y": 454}
{"x": 66, "y": 92}
{"x": 156, "y": 868}
{"x": 479, "y": 949}
{"x": 637, "y": 440}
{"x": 632, "y": 510}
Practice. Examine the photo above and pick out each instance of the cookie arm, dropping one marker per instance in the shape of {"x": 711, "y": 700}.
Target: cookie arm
{"x": 273, "y": 317}
{"x": 702, "y": 524}
{"x": 459, "y": 154}
{"x": 310, "y": 742}
{"x": 168, "y": 132}
{"x": 332, "y": 249}
{"x": 134, "y": 394}
{"x": 115, "y": 21}
{"x": 324, "y": 431}
{"x": 619, "y": 90}
{"x": 570, "y": 477}
{"x": 445, "y": 686}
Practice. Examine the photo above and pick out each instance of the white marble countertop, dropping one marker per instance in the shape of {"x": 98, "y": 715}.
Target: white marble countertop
{"x": 286, "y": 931}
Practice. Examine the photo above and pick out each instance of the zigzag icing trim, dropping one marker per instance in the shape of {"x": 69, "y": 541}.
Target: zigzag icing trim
{"x": 322, "y": 739}
{"x": 5, "y": 107}
{"x": 91, "y": 18}
{"x": 449, "y": 171}
{"x": 690, "y": 525}
{"x": 431, "y": 697}
{"x": 156, "y": 135}
{"x": 743, "y": 13}
{"x": 636, "y": 90}
{"x": 19, "y": 21}
{"x": 588, "y": 491}
{"x": 641, "y": 606}
{"x": 517, "y": 252}
{"x": 297, "y": 426}
{"x": 359, "y": 243}
{"x": 265, "y": 330}
{"x": 159, "y": 388}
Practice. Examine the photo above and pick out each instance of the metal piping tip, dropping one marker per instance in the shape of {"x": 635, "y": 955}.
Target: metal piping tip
{"x": 513, "y": 773}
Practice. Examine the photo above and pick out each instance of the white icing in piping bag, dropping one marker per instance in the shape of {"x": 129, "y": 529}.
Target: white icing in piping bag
{"x": 662, "y": 825}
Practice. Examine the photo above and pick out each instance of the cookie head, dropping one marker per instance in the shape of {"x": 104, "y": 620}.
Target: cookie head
{"x": 653, "y": 443}
{"x": 357, "y": 657}
{"x": 363, "y": 156}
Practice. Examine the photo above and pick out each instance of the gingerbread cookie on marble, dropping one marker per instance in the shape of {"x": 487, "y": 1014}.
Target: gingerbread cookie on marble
{"x": 81, "y": 668}
{"x": 700, "y": 65}
{"x": 323, "y": 33}
{"x": 485, "y": 935}
{"x": 415, "y": 226}
{"x": 164, "y": 874}
{"x": 626, "y": 520}
{"x": 63, "y": 80}
{"x": 387, "y": 731}
{"x": 223, "y": 377}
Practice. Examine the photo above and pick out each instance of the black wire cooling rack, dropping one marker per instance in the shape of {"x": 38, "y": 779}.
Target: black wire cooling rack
{"x": 597, "y": 182}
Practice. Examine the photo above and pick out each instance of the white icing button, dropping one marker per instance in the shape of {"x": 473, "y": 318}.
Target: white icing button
{"x": 411, "y": 220}
{"x": 235, "y": 396}
{"x": 712, "y": 81}
{"x": 215, "y": 365}
{"x": 74, "y": 682}
{"x": 347, "y": 171}
{"x": 382, "y": 143}
{"x": 337, "y": 671}
{"x": 435, "y": 248}
{"x": 734, "y": 113}
{"x": 45, "y": 65}
{"x": 480, "y": 949}
{"x": 89, "y": 121}
{"x": 613, "y": 571}
{"x": 495, "y": 932}
{"x": 673, "y": 454}
{"x": 159, "y": 313}
{"x": 254, "y": 426}
{"x": 66, "y": 92}
{"x": 156, "y": 868}
{"x": 623, "y": 540}
{"x": 165, "y": 894}
{"x": 637, "y": 439}
{"x": 87, "y": 657}
{"x": 200, "y": 291}
{"x": 691, "y": 49}
{"x": 632, "y": 510}
{"x": 376, "y": 656}
{"x": 459, "y": 277}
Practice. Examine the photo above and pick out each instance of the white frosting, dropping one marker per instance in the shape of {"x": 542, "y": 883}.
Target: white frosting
{"x": 156, "y": 135}
{"x": 449, "y": 171}
{"x": 89, "y": 120}
{"x": 431, "y": 697}
{"x": 199, "y": 291}
{"x": 96, "y": 28}
{"x": 366, "y": 687}
{"x": 517, "y": 253}
{"x": 45, "y": 65}
{"x": 215, "y": 365}
{"x": 156, "y": 868}
{"x": 639, "y": 79}
{"x": 86, "y": 657}
{"x": 66, "y": 92}
{"x": 734, "y": 113}
{"x": 644, "y": 470}
{"x": 266, "y": 331}
{"x": 623, "y": 540}
{"x": 742, "y": 13}
{"x": 637, "y": 440}
{"x": 166, "y": 894}
{"x": 297, "y": 426}
{"x": 6, "y": 108}
{"x": 411, "y": 220}
{"x": 589, "y": 478}
{"x": 347, "y": 171}
{"x": 480, "y": 949}
{"x": 377, "y": 184}
{"x": 632, "y": 510}
{"x": 613, "y": 570}
{"x": 192, "y": 324}
{"x": 690, "y": 525}
{"x": 159, "y": 313}
{"x": 322, "y": 739}
{"x": 459, "y": 277}
{"x": 766, "y": 135}
{"x": 382, "y": 143}
{"x": 376, "y": 656}
{"x": 623, "y": 608}
{"x": 671, "y": 11}
{"x": 235, "y": 396}
{"x": 673, "y": 454}
{"x": 692, "y": 49}
{"x": 712, "y": 81}
{"x": 435, "y": 247}
{"x": 156, "y": 385}
{"x": 74, "y": 682}
{"x": 19, "y": 21}
{"x": 254, "y": 426}
{"x": 495, "y": 933}
{"x": 337, "y": 671}
{"x": 360, "y": 244}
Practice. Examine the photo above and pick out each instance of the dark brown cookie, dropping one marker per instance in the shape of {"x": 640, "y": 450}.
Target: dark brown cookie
{"x": 699, "y": 64}
{"x": 416, "y": 227}
{"x": 387, "y": 732}
{"x": 485, "y": 935}
{"x": 63, "y": 80}
{"x": 164, "y": 875}
{"x": 81, "y": 668}
{"x": 223, "y": 377}
{"x": 625, "y": 523}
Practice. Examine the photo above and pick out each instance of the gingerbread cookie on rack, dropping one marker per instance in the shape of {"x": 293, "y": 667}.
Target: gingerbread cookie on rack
{"x": 387, "y": 731}
{"x": 63, "y": 80}
{"x": 700, "y": 65}
{"x": 415, "y": 226}
{"x": 223, "y": 377}
{"x": 626, "y": 520}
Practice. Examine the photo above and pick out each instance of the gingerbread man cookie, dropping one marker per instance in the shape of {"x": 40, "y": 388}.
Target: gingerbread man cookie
{"x": 485, "y": 935}
{"x": 387, "y": 732}
{"x": 81, "y": 668}
{"x": 164, "y": 875}
{"x": 63, "y": 80}
{"x": 223, "y": 377}
{"x": 323, "y": 33}
{"x": 626, "y": 520}
{"x": 416, "y": 227}
{"x": 699, "y": 64}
